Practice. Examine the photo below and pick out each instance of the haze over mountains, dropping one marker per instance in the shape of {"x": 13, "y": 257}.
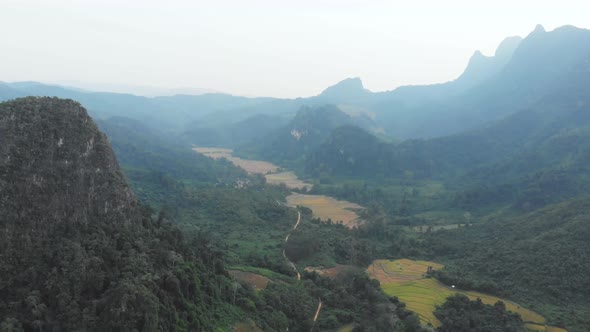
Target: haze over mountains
{"x": 519, "y": 75}
{"x": 146, "y": 91}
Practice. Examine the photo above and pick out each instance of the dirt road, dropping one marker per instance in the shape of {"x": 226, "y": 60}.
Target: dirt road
{"x": 317, "y": 314}
{"x": 287, "y": 239}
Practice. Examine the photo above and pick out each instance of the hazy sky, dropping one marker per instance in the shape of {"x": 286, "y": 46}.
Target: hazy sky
{"x": 261, "y": 47}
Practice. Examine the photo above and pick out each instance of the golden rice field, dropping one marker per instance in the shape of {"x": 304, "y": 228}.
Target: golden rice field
{"x": 289, "y": 179}
{"x": 250, "y": 166}
{"x": 406, "y": 279}
{"x": 325, "y": 207}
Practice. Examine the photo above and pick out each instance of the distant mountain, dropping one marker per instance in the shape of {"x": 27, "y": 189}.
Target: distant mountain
{"x": 348, "y": 151}
{"x": 348, "y": 90}
{"x": 481, "y": 67}
{"x": 168, "y": 114}
{"x": 289, "y": 144}
{"x": 235, "y": 134}
{"x": 541, "y": 65}
{"x": 7, "y": 92}
{"x": 529, "y": 159}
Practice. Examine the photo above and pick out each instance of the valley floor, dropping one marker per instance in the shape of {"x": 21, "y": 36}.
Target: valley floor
{"x": 405, "y": 279}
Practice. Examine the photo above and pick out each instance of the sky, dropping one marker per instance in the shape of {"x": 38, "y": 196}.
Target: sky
{"x": 261, "y": 47}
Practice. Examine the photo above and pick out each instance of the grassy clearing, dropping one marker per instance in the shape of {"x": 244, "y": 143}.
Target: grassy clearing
{"x": 325, "y": 207}
{"x": 331, "y": 272}
{"x": 256, "y": 281}
{"x": 250, "y": 166}
{"x": 274, "y": 276}
{"x": 406, "y": 279}
{"x": 247, "y": 327}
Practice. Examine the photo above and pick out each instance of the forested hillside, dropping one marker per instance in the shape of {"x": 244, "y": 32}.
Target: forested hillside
{"x": 77, "y": 251}
{"x": 142, "y": 149}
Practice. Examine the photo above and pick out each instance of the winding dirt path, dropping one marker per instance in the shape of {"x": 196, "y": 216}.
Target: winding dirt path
{"x": 317, "y": 314}
{"x": 287, "y": 239}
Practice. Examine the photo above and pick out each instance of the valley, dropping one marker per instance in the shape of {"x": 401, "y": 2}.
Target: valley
{"x": 323, "y": 207}
{"x": 461, "y": 206}
{"x": 405, "y": 279}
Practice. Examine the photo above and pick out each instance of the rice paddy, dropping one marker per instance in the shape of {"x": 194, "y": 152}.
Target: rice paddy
{"x": 326, "y": 207}
{"x": 407, "y": 280}
{"x": 250, "y": 166}
{"x": 289, "y": 179}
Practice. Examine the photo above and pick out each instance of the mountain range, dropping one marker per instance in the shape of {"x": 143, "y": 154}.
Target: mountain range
{"x": 521, "y": 74}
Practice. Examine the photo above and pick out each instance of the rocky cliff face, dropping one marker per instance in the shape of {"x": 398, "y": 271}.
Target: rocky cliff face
{"x": 77, "y": 252}
{"x": 56, "y": 168}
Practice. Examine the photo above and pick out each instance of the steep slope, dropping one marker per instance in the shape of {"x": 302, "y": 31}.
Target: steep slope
{"x": 77, "y": 252}
{"x": 481, "y": 67}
